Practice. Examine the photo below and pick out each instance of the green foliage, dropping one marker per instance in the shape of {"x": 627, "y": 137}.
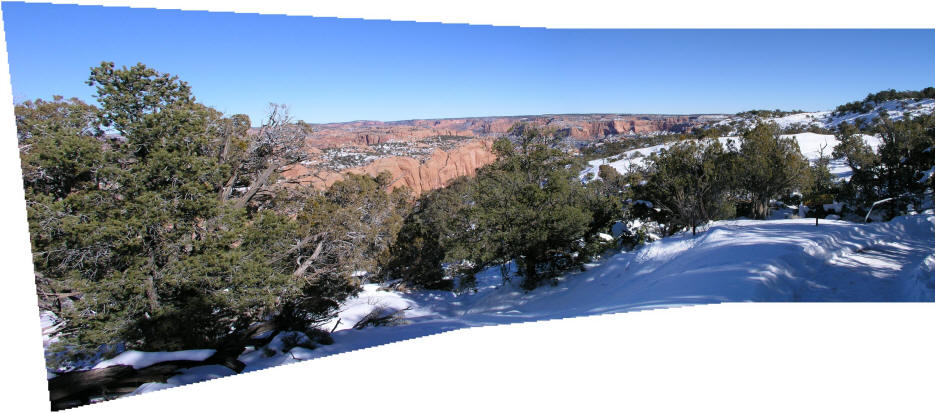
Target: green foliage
{"x": 131, "y": 99}
{"x": 528, "y": 206}
{"x": 616, "y": 147}
{"x": 895, "y": 170}
{"x": 430, "y": 235}
{"x": 711, "y": 132}
{"x": 135, "y": 240}
{"x": 873, "y": 99}
{"x": 60, "y": 145}
{"x": 769, "y": 166}
{"x": 775, "y": 113}
{"x": 688, "y": 184}
{"x": 347, "y": 229}
{"x": 822, "y": 187}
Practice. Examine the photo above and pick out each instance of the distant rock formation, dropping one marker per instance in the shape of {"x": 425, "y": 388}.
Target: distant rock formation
{"x": 439, "y": 169}
{"x": 583, "y": 127}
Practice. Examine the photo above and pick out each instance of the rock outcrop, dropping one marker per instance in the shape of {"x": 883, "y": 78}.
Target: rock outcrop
{"x": 583, "y": 127}
{"x": 439, "y": 169}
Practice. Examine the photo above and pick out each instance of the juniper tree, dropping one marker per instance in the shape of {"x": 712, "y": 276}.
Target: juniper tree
{"x": 689, "y": 183}
{"x": 136, "y": 233}
{"x": 769, "y": 166}
{"x": 433, "y": 234}
{"x": 528, "y": 206}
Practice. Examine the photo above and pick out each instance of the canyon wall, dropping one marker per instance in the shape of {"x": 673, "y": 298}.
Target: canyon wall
{"x": 439, "y": 169}
{"x": 423, "y": 172}
{"x": 582, "y": 127}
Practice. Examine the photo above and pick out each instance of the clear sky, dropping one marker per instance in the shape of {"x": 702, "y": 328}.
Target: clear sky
{"x": 330, "y": 70}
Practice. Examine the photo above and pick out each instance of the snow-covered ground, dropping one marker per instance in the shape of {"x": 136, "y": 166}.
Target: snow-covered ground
{"x": 731, "y": 261}
{"x": 896, "y": 109}
{"x": 809, "y": 143}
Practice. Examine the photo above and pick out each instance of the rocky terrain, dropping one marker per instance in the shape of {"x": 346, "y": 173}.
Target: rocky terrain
{"x": 419, "y": 174}
{"x": 425, "y": 154}
{"x": 577, "y": 126}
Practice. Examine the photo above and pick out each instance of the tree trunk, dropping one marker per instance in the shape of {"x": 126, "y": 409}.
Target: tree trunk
{"x": 308, "y": 262}
{"x": 761, "y": 208}
{"x": 693, "y": 223}
{"x": 256, "y": 185}
{"x": 532, "y": 278}
{"x": 228, "y": 187}
{"x": 150, "y": 287}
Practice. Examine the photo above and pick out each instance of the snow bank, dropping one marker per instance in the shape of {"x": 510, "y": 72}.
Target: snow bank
{"x": 369, "y": 299}
{"x": 141, "y": 359}
{"x": 896, "y": 109}
{"x": 732, "y": 261}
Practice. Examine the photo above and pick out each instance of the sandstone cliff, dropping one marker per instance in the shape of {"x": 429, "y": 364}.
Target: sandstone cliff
{"x": 582, "y": 127}
{"x": 435, "y": 169}
{"x": 439, "y": 169}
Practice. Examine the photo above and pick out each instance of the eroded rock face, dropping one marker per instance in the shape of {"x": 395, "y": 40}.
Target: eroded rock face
{"x": 439, "y": 169}
{"x": 436, "y": 170}
{"x": 584, "y": 127}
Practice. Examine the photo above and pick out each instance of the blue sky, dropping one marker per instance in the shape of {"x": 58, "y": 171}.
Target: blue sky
{"x": 330, "y": 70}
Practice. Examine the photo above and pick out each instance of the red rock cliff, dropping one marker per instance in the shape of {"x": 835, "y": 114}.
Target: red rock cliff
{"x": 435, "y": 172}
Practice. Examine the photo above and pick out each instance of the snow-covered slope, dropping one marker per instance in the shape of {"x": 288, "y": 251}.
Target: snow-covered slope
{"x": 809, "y": 143}
{"x": 738, "y": 260}
{"x": 896, "y": 109}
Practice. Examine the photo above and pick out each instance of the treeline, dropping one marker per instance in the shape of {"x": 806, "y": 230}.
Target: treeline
{"x": 616, "y": 147}
{"x": 694, "y": 181}
{"x": 528, "y": 207}
{"x": 873, "y": 99}
{"x": 176, "y": 234}
{"x": 898, "y": 172}
{"x": 765, "y": 113}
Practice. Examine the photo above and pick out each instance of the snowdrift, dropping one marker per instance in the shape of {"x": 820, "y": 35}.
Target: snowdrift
{"x": 731, "y": 261}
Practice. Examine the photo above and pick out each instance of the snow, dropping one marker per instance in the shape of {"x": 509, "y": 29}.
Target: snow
{"x": 141, "y": 359}
{"x": 896, "y": 109}
{"x": 732, "y": 261}
{"x": 50, "y": 325}
{"x": 927, "y": 175}
{"x": 187, "y": 376}
{"x": 810, "y": 144}
{"x": 372, "y": 297}
{"x": 632, "y": 159}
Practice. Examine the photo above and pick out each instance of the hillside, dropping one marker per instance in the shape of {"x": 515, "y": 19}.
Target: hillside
{"x": 809, "y": 143}
{"x": 733, "y": 261}
{"x": 828, "y": 119}
{"x": 426, "y": 154}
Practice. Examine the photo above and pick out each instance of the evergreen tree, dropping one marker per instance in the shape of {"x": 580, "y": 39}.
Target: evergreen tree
{"x": 528, "y": 207}
{"x": 431, "y": 235}
{"x": 689, "y": 183}
{"x": 769, "y": 166}
{"x": 134, "y": 240}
